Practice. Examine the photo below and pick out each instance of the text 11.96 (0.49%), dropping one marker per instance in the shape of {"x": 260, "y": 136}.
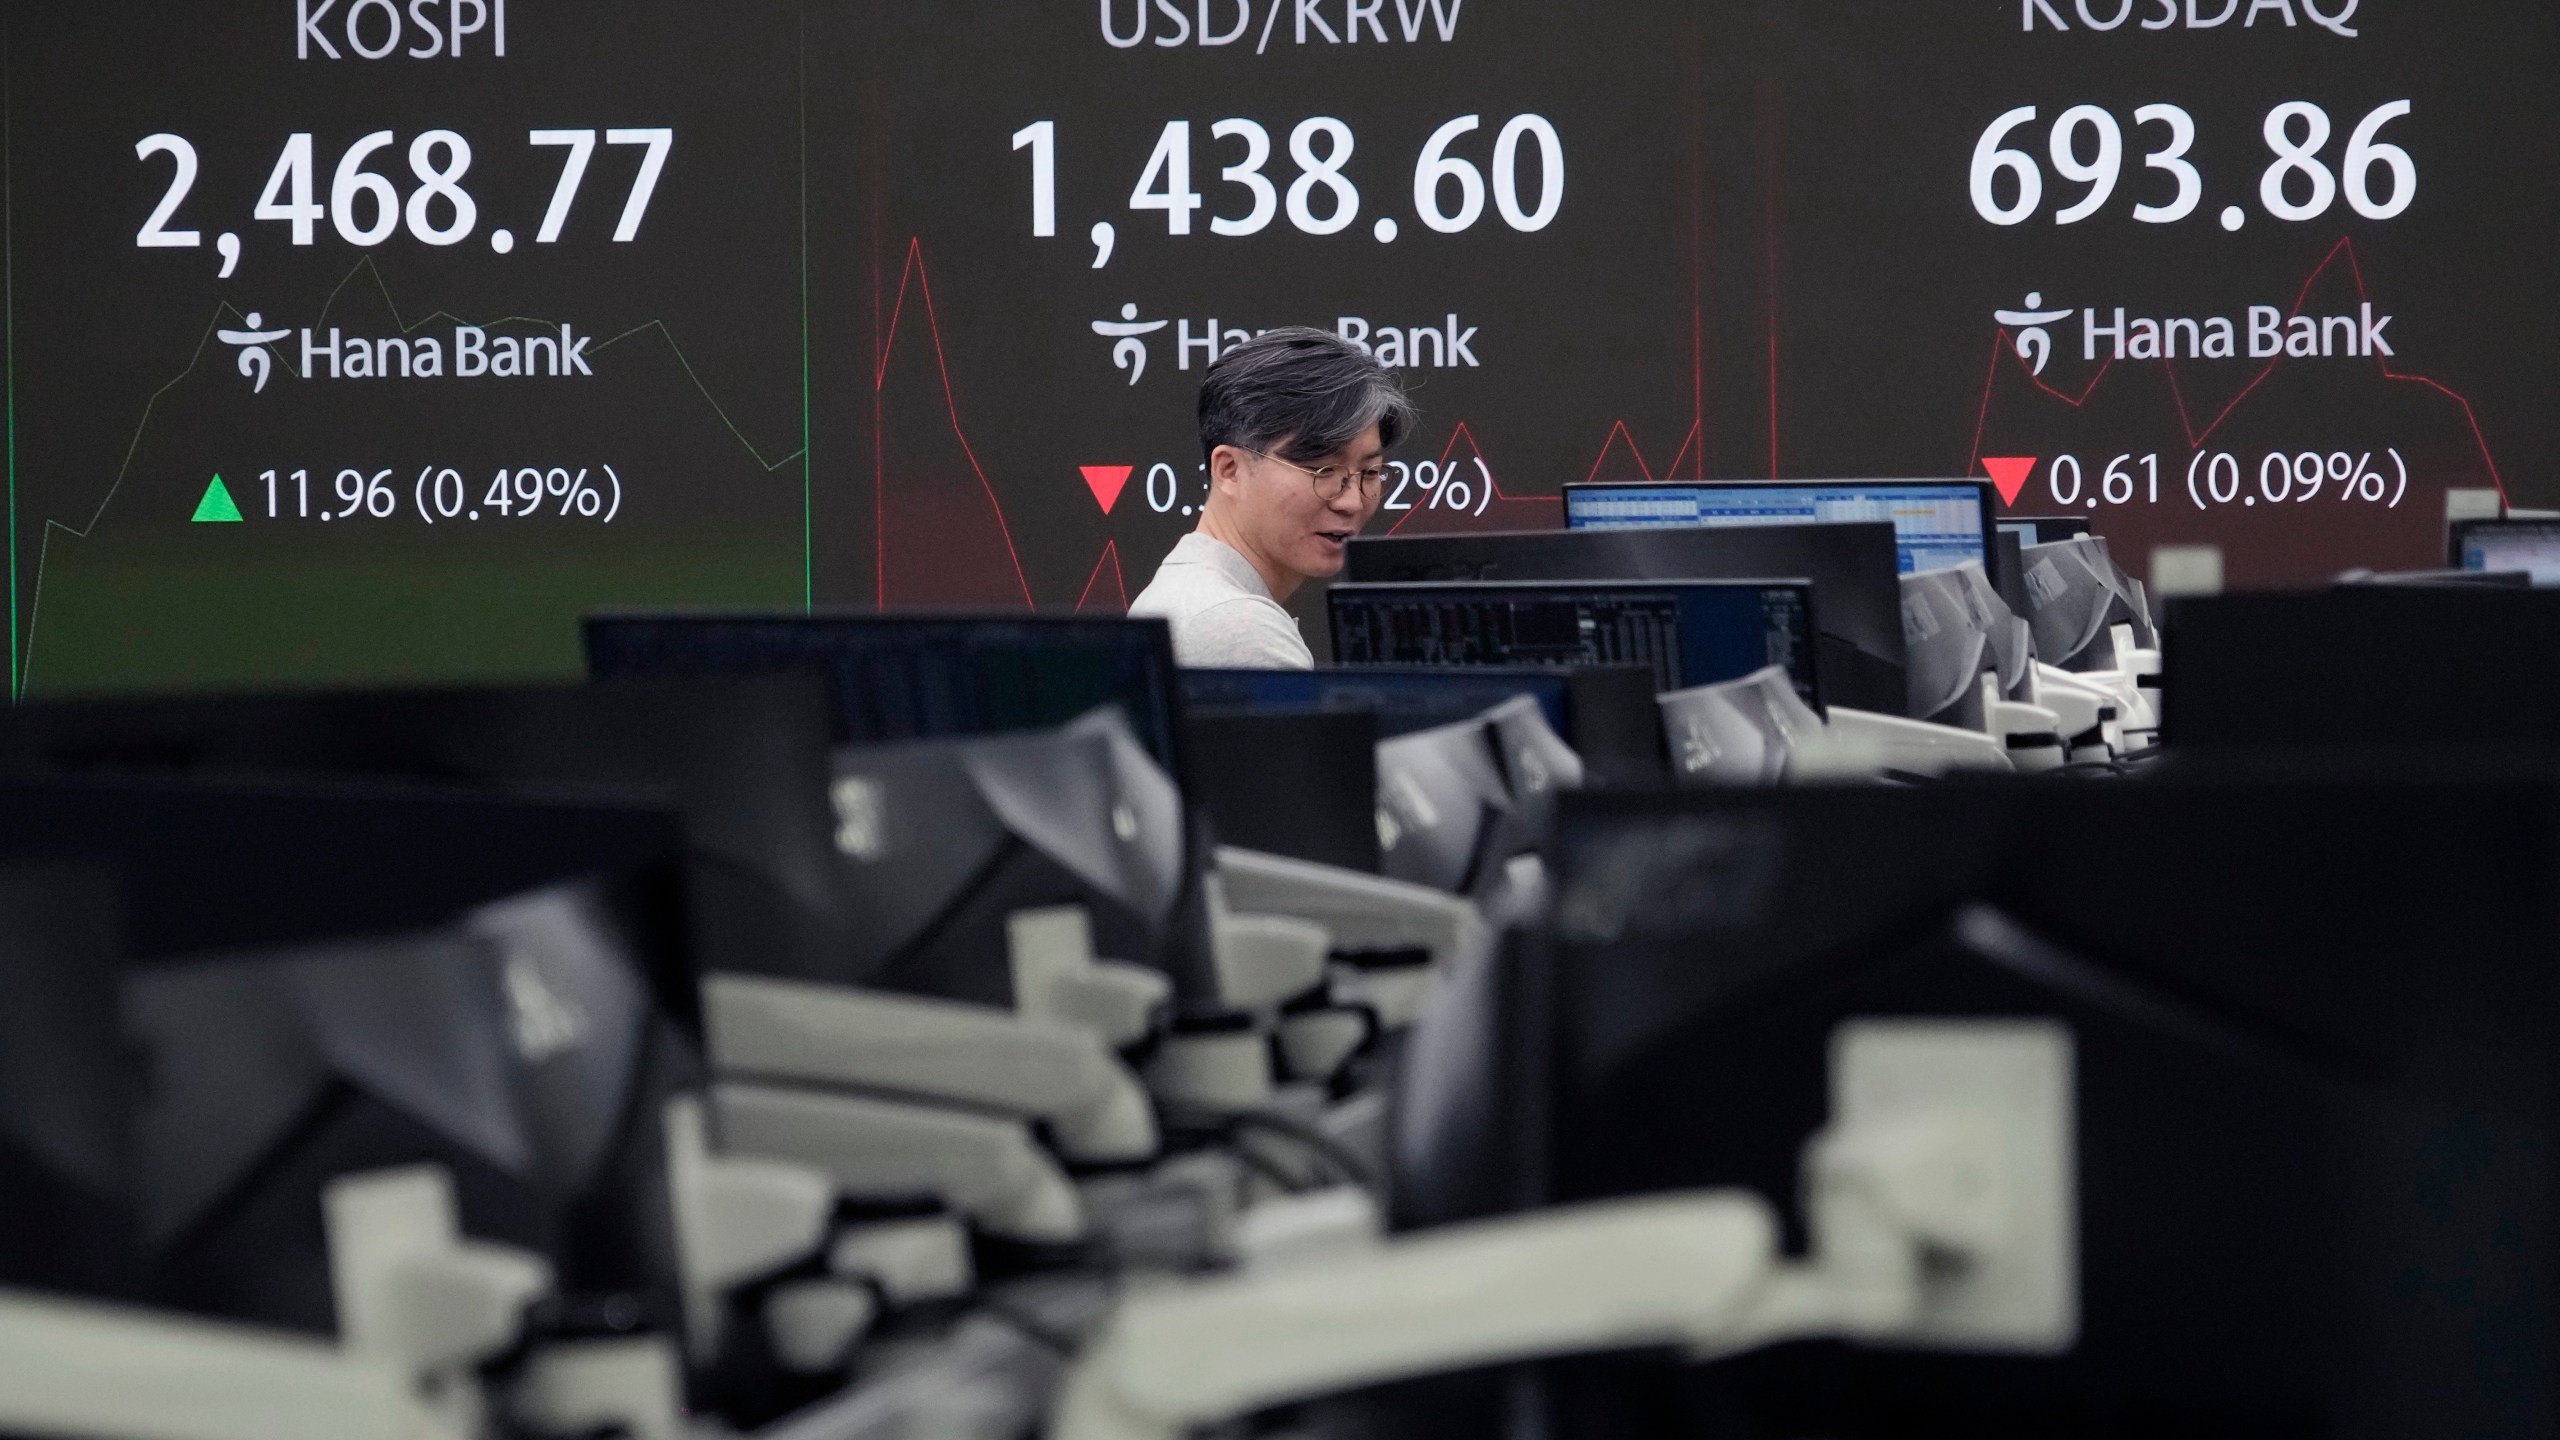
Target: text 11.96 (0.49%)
{"x": 438, "y": 494}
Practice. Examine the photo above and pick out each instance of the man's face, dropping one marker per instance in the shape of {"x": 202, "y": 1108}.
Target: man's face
{"x": 1295, "y": 521}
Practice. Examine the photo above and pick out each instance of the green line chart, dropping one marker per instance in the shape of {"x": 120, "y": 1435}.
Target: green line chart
{"x": 23, "y": 645}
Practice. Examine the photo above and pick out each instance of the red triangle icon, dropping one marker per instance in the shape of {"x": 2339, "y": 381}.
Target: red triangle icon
{"x": 1107, "y": 481}
{"x": 2009, "y": 475}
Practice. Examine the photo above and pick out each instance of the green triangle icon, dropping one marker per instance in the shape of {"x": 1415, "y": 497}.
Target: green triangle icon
{"x": 216, "y": 506}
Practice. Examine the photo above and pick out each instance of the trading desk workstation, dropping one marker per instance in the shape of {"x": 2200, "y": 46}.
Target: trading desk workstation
{"x": 1729, "y": 977}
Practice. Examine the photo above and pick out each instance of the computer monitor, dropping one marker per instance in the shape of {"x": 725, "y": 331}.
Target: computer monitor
{"x": 2075, "y": 598}
{"x": 67, "y": 1221}
{"x": 1445, "y": 816}
{"x": 1958, "y": 629}
{"x": 744, "y": 757}
{"x": 2506, "y": 546}
{"x": 1301, "y": 782}
{"x": 1605, "y": 712}
{"x": 2339, "y": 1090}
{"x": 1740, "y": 732}
{"x": 943, "y": 840}
{"x": 2438, "y": 579}
{"x": 1852, "y": 566}
{"x": 2043, "y": 529}
{"x": 1457, "y": 802}
{"x": 2387, "y": 667}
{"x": 1690, "y": 633}
{"x": 333, "y": 980}
{"x": 1935, "y": 522}
{"x": 1949, "y": 634}
{"x": 232, "y": 866}
{"x": 2008, "y": 569}
{"x": 924, "y": 677}
{"x": 519, "y": 1048}
{"x": 1402, "y": 699}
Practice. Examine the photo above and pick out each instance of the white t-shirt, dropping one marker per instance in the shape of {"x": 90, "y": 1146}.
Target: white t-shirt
{"x": 1223, "y": 615}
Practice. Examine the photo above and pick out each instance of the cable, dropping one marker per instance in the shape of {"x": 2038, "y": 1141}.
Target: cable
{"x": 1347, "y": 1166}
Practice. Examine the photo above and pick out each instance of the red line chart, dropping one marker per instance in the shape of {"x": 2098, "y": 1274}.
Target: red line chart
{"x": 2196, "y": 434}
{"x": 1619, "y": 433}
{"x": 997, "y": 570}
{"x": 914, "y": 273}
{"x": 1118, "y": 603}
{"x": 1620, "y": 437}
{"x": 1107, "y": 582}
{"x": 1500, "y": 497}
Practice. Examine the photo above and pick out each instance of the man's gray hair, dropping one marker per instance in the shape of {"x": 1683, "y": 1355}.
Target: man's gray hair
{"x": 1301, "y": 394}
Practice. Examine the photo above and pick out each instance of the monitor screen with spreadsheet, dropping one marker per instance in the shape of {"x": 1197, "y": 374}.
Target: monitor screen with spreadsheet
{"x": 2528, "y": 547}
{"x": 1936, "y": 523}
{"x": 1687, "y": 634}
{"x": 1855, "y": 573}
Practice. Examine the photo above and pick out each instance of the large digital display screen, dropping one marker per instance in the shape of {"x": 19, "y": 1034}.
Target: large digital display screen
{"x": 352, "y": 340}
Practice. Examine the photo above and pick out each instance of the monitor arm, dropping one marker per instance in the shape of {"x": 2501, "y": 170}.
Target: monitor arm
{"x": 1861, "y": 744}
{"x": 419, "y": 1305}
{"x": 1276, "y": 926}
{"x": 1064, "y": 1075}
{"x": 412, "y": 1292}
{"x": 2091, "y": 710}
{"x": 1939, "y": 1199}
{"x": 409, "y": 1287}
{"x": 1362, "y": 912}
{"x": 1671, "y": 1270}
{"x": 76, "y": 1368}
{"x": 2034, "y": 733}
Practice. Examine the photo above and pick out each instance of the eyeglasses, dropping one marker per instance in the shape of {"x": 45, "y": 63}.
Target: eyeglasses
{"x": 1332, "y": 482}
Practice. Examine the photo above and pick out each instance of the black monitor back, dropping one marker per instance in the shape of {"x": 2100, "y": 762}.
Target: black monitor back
{"x": 1446, "y": 815}
{"x": 1296, "y": 782}
{"x": 1402, "y": 698}
{"x": 2318, "y": 1170}
{"x": 1854, "y": 569}
{"x": 2008, "y": 570}
{"x": 218, "y": 877}
{"x": 1605, "y": 712}
{"x": 519, "y": 1049}
{"x": 66, "y": 1089}
{"x": 206, "y": 866}
{"x": 924, "y": 677}
{"x": 945, "y": 840}
{"x": 2363, "y": 666}
{"x": 2076, "y": 596}
{"x": 744, "y": 757}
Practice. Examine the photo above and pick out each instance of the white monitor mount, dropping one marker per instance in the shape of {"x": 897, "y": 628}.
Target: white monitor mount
{"x": 1940, "y": 1201}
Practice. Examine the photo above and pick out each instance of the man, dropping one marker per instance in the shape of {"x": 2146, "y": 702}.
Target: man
{"x": 1296, "y": 423}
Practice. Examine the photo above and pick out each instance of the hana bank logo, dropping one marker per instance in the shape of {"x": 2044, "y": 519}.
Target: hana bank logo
{"x": 2034, "y": 345}
{"x": 255, "y": 361}
{"x": 1130, "y": 353}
